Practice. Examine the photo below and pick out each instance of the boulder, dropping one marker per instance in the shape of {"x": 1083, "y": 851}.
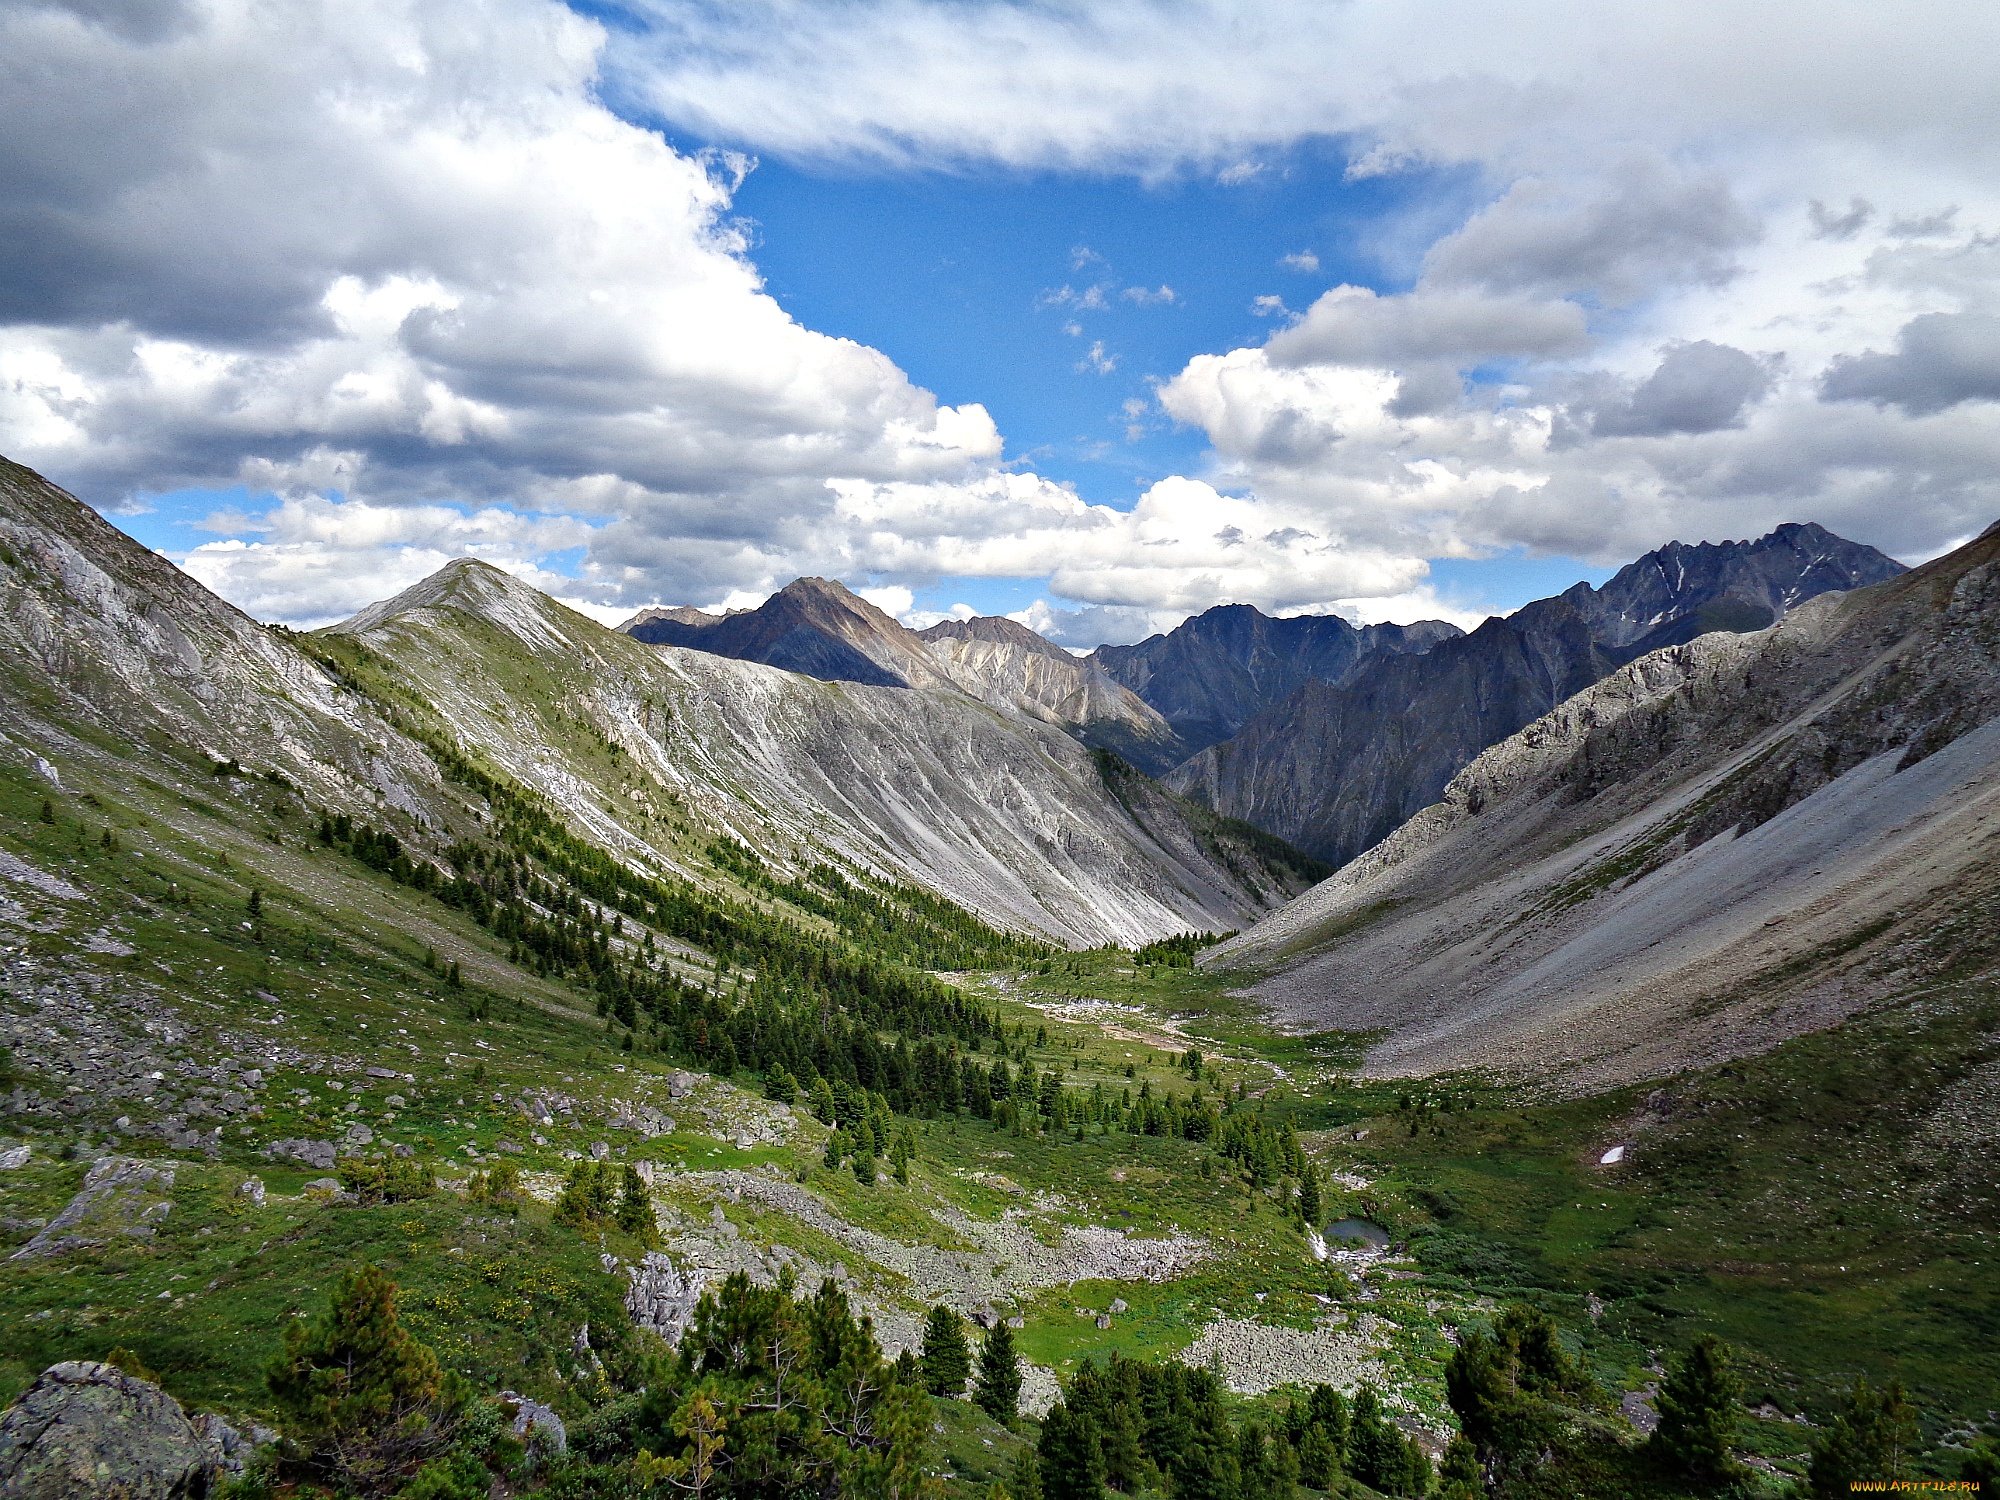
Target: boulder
{"x": 535, "y": 1424}
{"x": 85, "y": 1429}
{"x": 318, "y": 1154}
{"x": 120, "y": 1195}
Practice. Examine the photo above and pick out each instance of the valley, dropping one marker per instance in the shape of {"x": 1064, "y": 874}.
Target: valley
{"x": 397, "y": 943}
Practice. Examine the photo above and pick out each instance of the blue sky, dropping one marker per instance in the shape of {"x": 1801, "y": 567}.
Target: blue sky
{"x": 960, "y": 302}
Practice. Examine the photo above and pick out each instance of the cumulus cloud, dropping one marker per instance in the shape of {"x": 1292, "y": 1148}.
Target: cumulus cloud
{"x": 1940, "y": 360}
{"x": 1352, "y": 325}
{"x": 396, "y": 263}
{"x": 1698, "y": 387}
{"x": 1299, "y": 260}
{"x": 1649, "y": 227}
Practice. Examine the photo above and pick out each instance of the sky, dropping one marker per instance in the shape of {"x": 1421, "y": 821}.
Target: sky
{"x": 1095, "y": 314}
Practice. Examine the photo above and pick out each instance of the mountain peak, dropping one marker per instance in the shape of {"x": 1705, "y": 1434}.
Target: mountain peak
{"x": 478, "y": 588}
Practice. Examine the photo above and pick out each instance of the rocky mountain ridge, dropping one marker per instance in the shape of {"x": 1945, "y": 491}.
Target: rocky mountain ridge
{"x": 1721, "y": 844}
{"x": 1215, "y": 672}
{"x": 116, "y": 656}
{"x": 1338, "y": 766}
{"x": 822, "y": 629}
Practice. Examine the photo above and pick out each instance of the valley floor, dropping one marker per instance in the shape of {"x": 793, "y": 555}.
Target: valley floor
{"x": 183, "y": 1071}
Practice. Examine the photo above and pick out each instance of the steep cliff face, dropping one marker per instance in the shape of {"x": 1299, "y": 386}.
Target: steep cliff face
{"x": 1212, "y": 674}
{"x": 1005, "y": 815}
{"x": 1721, "y": 844}
{"x": 1335, "y": 768}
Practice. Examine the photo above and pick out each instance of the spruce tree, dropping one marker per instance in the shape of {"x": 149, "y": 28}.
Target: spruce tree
{"x": 635, "y": 1209}
{"x": 946, "y": 1357}
{"x": 1309, "y": 1198}
{"x": 998, "y": 1389}
{"x": 1699, "y": 1404}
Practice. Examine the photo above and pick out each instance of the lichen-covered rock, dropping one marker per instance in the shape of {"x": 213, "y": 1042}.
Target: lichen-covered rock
{"x": 85, "y": 1429}
{"x": 535, "y": 1424}
{"x": 120, "y": 1195}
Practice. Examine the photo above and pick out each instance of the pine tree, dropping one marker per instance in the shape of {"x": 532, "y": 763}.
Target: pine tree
{"x": 1309, "y": 1199}
{"x": 1868, "y": 1439}
{"x": 1460, "y": 1478}
{"x": 946, "y": 1356}
{"x": 1699, "y": 1411}
{"x": 635, "y": 1209}
{"x": 1070, "y": 1457}
{"x": 363, "y": 1401}
{"x": 998, "y": 1389}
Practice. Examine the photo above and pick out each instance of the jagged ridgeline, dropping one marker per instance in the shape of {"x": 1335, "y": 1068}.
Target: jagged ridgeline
{"x": 820, "y": 974}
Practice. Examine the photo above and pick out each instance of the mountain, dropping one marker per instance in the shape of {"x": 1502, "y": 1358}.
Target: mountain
{"x": 820, "y": 628}
{"x": 114, "y": 657}
{"x": 811, "y": 625}
{"x": 1001, "y": 813}
{"x": 1212, "y": 674}
{"x": 1336, "y": 767}
{"x": 1721, "y": 844}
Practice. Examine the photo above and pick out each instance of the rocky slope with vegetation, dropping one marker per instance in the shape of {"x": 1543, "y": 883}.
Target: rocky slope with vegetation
{"x": 1722, "y": 844}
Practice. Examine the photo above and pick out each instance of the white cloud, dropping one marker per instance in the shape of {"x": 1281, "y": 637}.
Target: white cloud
{"x": 377, "y": 256}
{"x": 1149, "y": 297}
{"x": 1095, "y": 361}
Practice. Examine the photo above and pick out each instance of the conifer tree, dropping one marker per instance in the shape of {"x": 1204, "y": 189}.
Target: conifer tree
{"x": 998, "y": 1389}
{"x": 1869, "y": 1438}
{"x": 1699, "y": 1411}
{"x": 946, "y": 1356}
{"x": 1072, "y": 1461}
{"x": 364, "y": 1403}
{"x": 635, "y": 1208}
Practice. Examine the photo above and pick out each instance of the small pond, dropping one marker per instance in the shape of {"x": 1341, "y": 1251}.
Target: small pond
{"x": 1370, "y": 1234}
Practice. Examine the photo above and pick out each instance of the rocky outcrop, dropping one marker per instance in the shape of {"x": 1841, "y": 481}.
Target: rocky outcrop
{"x": 120, "y": 1196}
{"x": 1337, "y": 766}
{"x": 1722, "y": 844}
{"x": 661, "y": 1297}
{"x": 88, "y": 1431}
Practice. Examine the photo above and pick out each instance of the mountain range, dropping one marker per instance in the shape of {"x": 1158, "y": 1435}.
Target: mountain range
{"x": 1722, "y": 843}
{"x": 655, "y": 752}
{"x": 1322, "y": 732}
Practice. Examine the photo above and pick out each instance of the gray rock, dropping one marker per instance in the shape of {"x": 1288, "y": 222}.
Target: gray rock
{"x": 306, "y": 1153}
{"x": 662, "y": 1296}
{"x": 14, "y": 1157}
{"x": 321, "y": 1187}
{"x": 535, "y": 1424}
{"x": 358, "y": 1135}
{"x": 600, "y": 1151}
{"x": 383, "y": 1073}
{"x": 85, "y": 1429}
{"x": 119, "y": 1196}
{"x": 1117, "y": 1304}
{"x": 252, "y": 1189}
